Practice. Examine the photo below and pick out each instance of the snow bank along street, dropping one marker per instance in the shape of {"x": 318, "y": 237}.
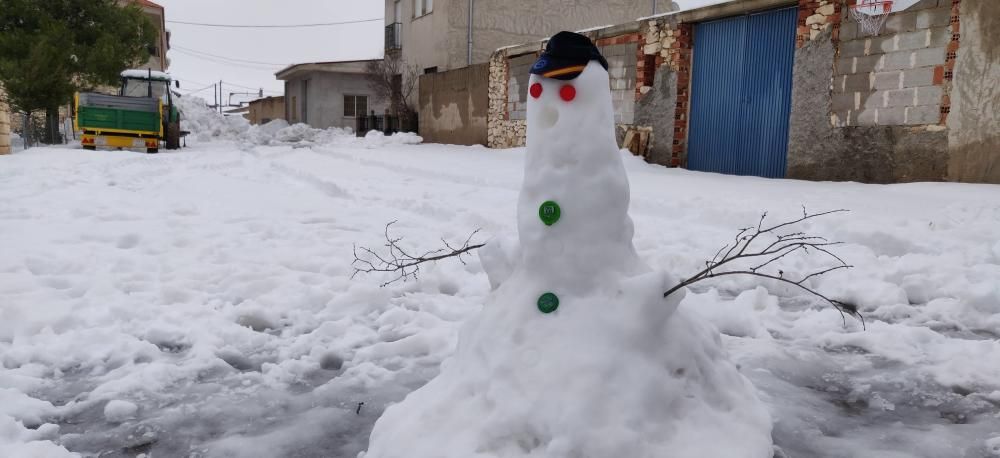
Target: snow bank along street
{"x": 200, "y": 303}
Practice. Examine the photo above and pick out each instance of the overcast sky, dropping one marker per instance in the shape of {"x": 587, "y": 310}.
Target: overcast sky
{"x": 271, "y": 49}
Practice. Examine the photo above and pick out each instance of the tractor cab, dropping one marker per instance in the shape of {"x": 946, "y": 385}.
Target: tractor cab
{"x": 150, "y": 84}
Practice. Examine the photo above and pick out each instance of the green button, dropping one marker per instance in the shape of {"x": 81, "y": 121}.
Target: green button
{"x": 549, "y": 212}
{"x": 548, "y": 303}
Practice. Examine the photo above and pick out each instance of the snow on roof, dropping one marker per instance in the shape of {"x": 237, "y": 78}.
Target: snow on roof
{"x": 343, "y": 66}
{"x": 592, "y": 29}
{"x": 144, "y": 74}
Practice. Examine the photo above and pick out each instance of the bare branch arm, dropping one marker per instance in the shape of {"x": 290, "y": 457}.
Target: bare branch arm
{"x": 400, "y": 261}
{"x": 783, "y": 245}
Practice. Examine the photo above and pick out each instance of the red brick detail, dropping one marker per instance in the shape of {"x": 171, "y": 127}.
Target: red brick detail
{"x": 618, "y": 39}
{"x": 679, "y": 59}
{"x": 808, "y": 8}
{"x": 943, "y": 75}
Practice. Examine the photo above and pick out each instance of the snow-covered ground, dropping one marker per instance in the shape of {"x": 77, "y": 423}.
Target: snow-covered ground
{"x": 200, "y": 302}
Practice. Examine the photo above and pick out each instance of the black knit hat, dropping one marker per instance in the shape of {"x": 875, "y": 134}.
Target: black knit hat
{"x": 566, "y": 54}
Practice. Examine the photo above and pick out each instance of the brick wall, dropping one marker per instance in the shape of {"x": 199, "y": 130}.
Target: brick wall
{"x": 679, "y": 58}
{"x": 896, "y": 78}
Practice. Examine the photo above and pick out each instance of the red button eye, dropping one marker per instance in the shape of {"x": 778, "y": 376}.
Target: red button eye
{"x": 567, "y": 93}
{"x": 536, "y": 90}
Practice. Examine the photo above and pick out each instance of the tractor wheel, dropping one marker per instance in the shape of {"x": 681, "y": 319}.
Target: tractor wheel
{"x": 90, "y": 148}
{"x": 152, "y": 150}
{"x": 174, "y": 135}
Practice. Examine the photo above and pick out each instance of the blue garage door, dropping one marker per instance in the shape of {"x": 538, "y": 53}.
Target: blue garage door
{"x": 741, "y": 94}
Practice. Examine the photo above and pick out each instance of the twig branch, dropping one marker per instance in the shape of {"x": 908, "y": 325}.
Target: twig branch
{"x": 781, "y": 245}
{"x": 397, "y": 260}
{"x": 748, "y": 245}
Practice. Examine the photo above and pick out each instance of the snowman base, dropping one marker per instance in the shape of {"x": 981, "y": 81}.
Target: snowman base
{"x": 590, "y": 380}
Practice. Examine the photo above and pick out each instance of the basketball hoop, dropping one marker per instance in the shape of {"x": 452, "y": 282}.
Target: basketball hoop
{"x": 871, "y": 14}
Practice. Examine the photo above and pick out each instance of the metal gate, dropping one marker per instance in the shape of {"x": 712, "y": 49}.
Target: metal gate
{"x": 741, "y": 94}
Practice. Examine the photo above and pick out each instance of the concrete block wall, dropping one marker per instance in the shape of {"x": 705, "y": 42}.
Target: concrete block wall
{"x": 621, "y": 69}
{"x": 895, "y": 78}
{"x": 517, "y": 85}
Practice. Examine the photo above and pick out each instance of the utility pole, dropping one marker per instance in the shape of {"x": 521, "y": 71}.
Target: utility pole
{"x": 654, "y": 7}
{"x": 220, "y": 96}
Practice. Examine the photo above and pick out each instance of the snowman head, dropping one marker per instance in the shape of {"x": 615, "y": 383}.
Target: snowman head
{"x": 569, "y": 90}
{"x": 566, "y": 55}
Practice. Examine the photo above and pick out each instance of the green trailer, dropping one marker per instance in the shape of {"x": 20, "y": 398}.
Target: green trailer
{"x": 142, "y": 115}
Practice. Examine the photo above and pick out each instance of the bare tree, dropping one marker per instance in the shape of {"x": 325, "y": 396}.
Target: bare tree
{"x": 754, "y": 252}
{"x": 393, "y": 82}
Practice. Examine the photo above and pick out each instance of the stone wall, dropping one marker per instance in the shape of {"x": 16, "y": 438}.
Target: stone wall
{"x": 817, "y": 16}
{"x": 501, "y": 130}
{"x": 664, "y": 85}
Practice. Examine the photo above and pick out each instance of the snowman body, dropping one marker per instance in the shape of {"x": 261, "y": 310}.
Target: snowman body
{"x": 610, "y": 368}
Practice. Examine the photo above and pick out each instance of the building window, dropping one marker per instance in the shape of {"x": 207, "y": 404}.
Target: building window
{"x": 422, "y": 7}
{"x": 430, "y": 70}
{"x": 355, "y": 105}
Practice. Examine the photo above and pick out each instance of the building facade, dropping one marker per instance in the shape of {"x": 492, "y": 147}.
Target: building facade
{"x": 158, "y": 52}
{"x": 434, "y": 35}
{"x": 328, "y": 94}
{"x": 265, "y": 110}
{"x": 793, "y": 88}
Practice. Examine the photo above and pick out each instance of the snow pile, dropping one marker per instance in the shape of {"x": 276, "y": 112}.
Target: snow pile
{"x": 577, "y": 353}
{"x": 278, "y": 132}
{"x": 207, "y": 124}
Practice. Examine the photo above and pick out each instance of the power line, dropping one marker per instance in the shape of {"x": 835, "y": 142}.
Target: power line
{"x": 199, "y": 90}
{"x": 224, "y": 57}
{"x": 248, "y": 87}
{"x": 274, "y": 26}
{"x": 220, "y": 60}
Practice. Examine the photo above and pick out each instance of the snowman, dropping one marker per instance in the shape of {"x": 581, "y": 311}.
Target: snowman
{"x": 576, "y": 353}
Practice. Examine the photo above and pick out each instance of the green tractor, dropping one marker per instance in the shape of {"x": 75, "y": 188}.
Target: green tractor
{"x": 142, "y": 115}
